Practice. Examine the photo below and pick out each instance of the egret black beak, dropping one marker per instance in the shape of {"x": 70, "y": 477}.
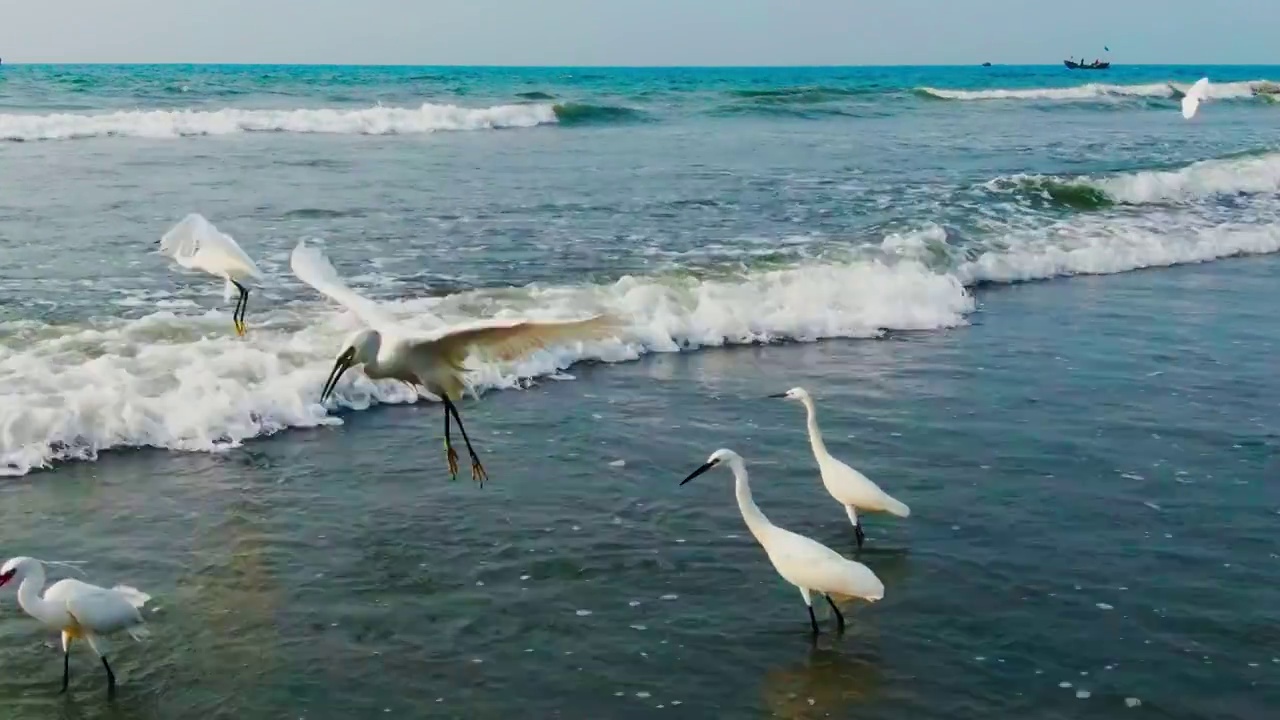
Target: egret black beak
{"x": 705, "y": 467}
{"x": 777, "y": 395}
{"x": 343, "y": 364}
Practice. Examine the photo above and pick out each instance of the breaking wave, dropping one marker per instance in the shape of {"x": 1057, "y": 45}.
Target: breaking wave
{"x": 183, "y": 382}
{"x": 1256, "y": 173}
{"x": 1097, "y": 91}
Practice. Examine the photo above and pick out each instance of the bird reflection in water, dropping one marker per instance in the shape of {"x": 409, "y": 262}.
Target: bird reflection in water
{"x": 827, "y": 683}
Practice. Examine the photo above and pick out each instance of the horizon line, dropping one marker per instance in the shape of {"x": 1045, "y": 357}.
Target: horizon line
{"x": 603, "y": 67}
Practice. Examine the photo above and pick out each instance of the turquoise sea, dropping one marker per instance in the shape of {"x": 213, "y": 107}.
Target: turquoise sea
{"x": 1035, "y": 304}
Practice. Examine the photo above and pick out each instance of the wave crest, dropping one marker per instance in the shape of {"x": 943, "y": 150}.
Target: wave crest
{"x": 1096, "y": 91}
{"x": 1239, "y": 175}
{"x": 183, "y": 383}
{"x": 376, "y": 120}
{"x": 570, "y": 114}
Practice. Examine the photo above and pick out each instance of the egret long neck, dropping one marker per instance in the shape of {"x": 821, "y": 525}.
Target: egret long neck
{"x": 29, "y": 594}
{"x": 815, "y": 435}
{"x": 756, "y": 521}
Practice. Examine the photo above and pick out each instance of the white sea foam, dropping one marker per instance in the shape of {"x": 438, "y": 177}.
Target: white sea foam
{"x": 1258, "y": 174}
{"x": 1103, "y": 247}
{"x": 1204, "y": 179}
{"x": 376, "y": 120}
{"x": 1096, "y": 91}
{"x": 183, "y": 382}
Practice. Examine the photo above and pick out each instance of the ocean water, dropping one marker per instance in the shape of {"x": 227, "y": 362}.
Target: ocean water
{"x": 1034, "y": 304}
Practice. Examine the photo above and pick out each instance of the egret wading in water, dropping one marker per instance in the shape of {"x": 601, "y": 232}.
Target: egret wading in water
{"x": 848, "y": 486}
{"x": 1197, "y": 94}
{"x": 78, "y": 610}
{"x": 432, "y": 360}
{"x": 195, "y": 244}
{"x": 807, "y": 564}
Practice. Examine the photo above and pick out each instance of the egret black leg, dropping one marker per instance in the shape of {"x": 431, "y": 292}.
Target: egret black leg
{"x": 861, "y": 536}
{"x": 242, "y": 304}
{"x": 477, "y": 470}
{"x": 111, "y": 677}
{"x": 66, "y": 668}
{"x": 449, "y": 452}
{"x": 244, "y": 308}
{"x": 813, "y": 621}
{"x": 836, "y": 610}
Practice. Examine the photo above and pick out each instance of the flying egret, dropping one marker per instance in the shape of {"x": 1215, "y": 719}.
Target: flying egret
{"x": 805, "y": 563}
{"x": 78, "y": 609}
{"x": 1196, "y": 94}
{"x": 195, "y": 244}
{"x": 432, "y": 360}
{"x": 848, "y": 486}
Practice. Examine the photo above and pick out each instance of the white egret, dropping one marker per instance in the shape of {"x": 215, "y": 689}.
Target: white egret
{"x": 1196, "y": 94}
{"x": 195, "y": 244}
{"x": 807, "y": 564}
{"x": 848, "y": 486}
{"x": 78, "y": 610}
{"x": 431, "y": 360}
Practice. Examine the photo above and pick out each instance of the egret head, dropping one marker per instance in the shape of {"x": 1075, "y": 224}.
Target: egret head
{"x": 795, "y": 393}
{"x": 15, "y": 568}
{"x": 720, "y": 456}
{"x": 360, "y": 348}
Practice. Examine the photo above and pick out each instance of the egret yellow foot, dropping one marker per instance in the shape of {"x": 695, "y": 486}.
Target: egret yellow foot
{"x": 452, "y": 455}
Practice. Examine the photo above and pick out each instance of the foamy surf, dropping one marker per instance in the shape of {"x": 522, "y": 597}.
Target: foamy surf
{"x": 1098, "y": 91}
{"x": 178, "y": 383}
{"x": 183, "y": 383}
{"x": 1107, "y": 248}
{"x": 376, "y": 120}
{"x": 1249, "y": 175}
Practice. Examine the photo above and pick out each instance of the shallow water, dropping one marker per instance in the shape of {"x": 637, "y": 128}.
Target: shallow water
{"x": 1088, "y": 460}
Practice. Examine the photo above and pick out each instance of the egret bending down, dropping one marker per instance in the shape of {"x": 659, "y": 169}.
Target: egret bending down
{"x": 848, "y": 486}
{"x": 805, "y": 563}
{"x": 196, "y": 244}
{"x": 78, "y": 609}
{"x": 433, "y": 361}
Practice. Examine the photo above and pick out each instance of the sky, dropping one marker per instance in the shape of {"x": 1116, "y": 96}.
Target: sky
{"x": 639, "y": 32}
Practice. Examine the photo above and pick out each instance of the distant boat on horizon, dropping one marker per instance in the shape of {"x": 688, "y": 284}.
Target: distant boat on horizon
{"x": 1095, "y": 65}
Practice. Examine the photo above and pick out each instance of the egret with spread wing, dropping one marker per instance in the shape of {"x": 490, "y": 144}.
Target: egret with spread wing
{"x": 78, "y": 609}
{"x": 1196, "y": 94}
{"x": 432, "y": 360}
{"x": 195, "y": 244}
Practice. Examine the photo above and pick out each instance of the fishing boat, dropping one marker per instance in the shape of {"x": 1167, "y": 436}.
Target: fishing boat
{"x": 1096, "y": 65}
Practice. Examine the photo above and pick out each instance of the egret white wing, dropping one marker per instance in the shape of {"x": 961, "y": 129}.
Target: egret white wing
{"x": 181, "y": 241}
{"x": 96, "y": 609}
{"x": 1195, "y": 95}
{"x": 312, "y": 267}
{"x": 807, "y": 563}
{"x": 195, "y": 242}
{"x": 506, "y": 340}
{"x": 851, "y": 487}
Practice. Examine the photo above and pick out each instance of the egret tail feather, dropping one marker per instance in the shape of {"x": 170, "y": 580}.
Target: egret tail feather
{"x": 894, "y": 507}
{"x": 136, "y": 597}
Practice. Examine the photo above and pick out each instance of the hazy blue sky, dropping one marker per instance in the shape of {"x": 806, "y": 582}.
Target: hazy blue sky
{"x": 638, "y": 32}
